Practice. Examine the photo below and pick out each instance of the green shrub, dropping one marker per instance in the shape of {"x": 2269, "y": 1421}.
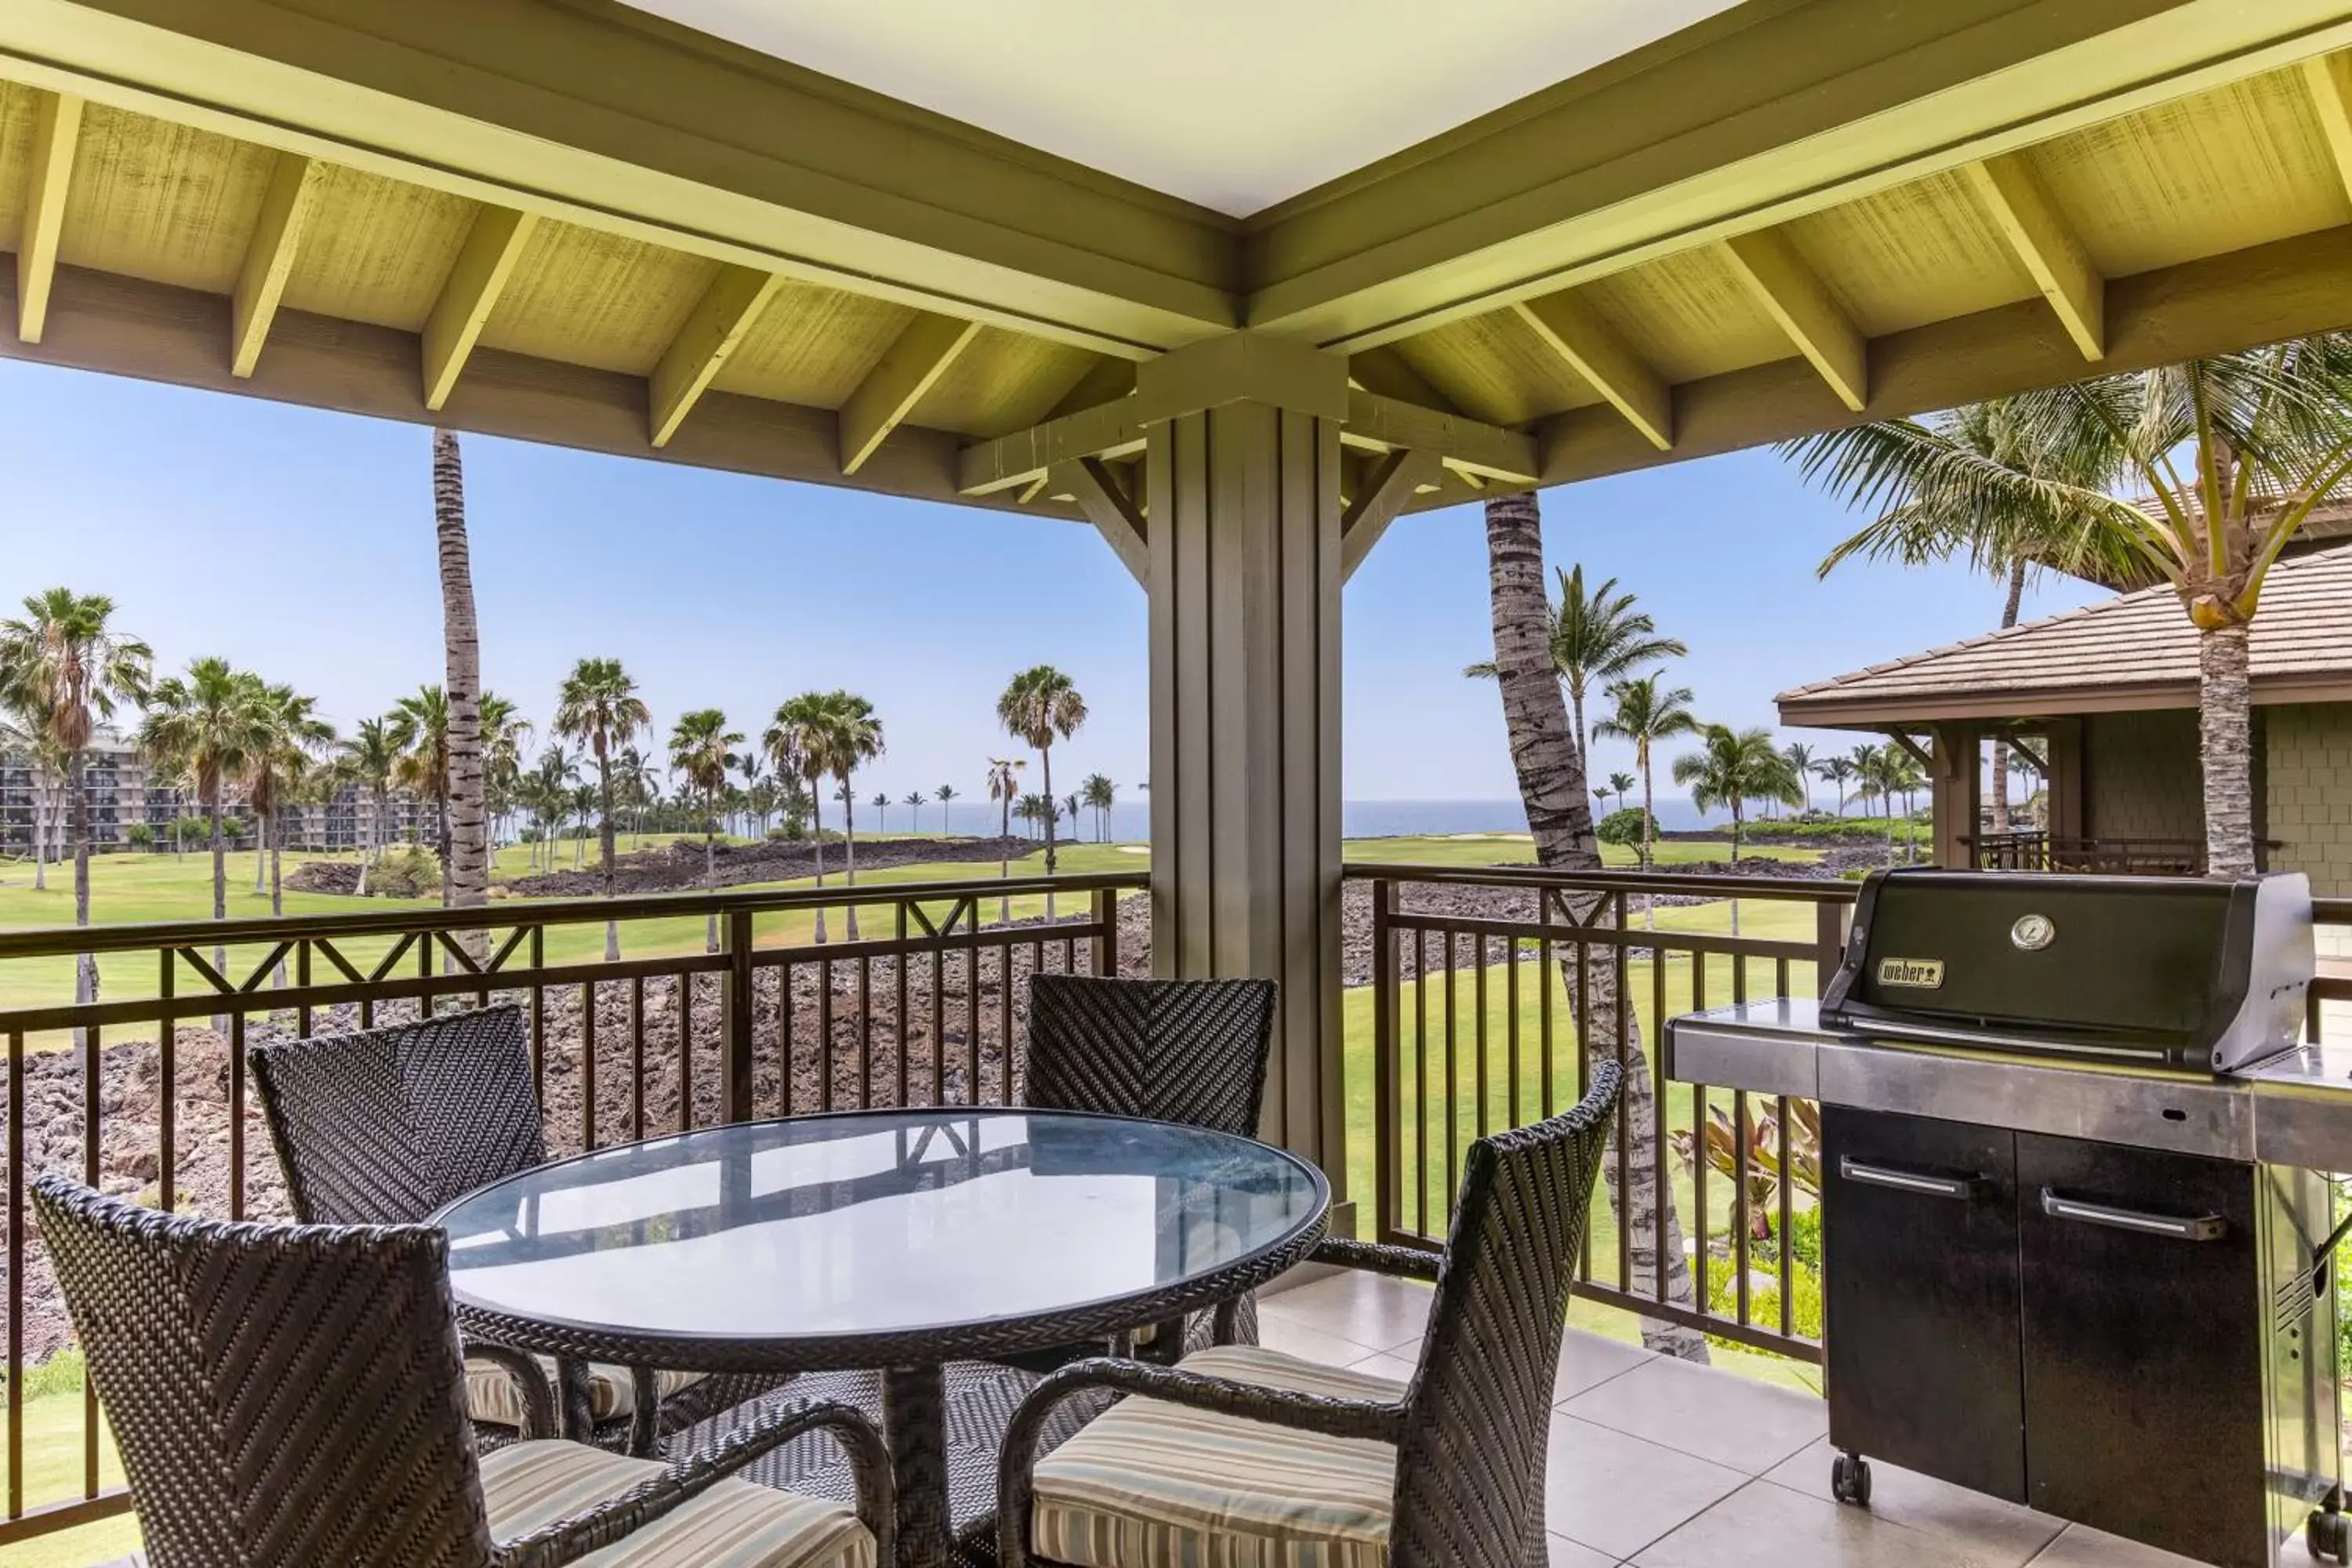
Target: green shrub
{"x": 1622, "y": 827}
{"x": 61, "y": 1374}
{"x": 408, "y": 871}
{"x": 1764, "y": 1295}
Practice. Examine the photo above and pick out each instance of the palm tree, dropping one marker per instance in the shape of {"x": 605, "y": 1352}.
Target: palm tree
{"x": 420, "y": 727}
{"x": 1595, "y": 638}
{"x": 505, "y": 733}
{"x": 1731, "y": 768}
{"x": 1899, "y": 773}
{"x": 292, "y": 736}
{"x": 2234, "y": 452}
{"x": 202, "y": 726}
{"x": 796, "y": 743}
{"x": 1865, "y": 760}
{"x": 465, "y": 864}
{"x": 881, "y": 811}
{"x": 598, "y": 706}
{"x": 1799, "y": 758}
{"x": 633, "y": 785}
{"x": 1039, "y": 706}
{"x": 1548, "y": 757}
{"x": 699, "y": 749}
{"x": 946, "y": 794}
{"x": 1100, "y": 795}
{"x": 368, "y": 758}
{"x": 1644, "y": 714}
{"x": 64, "y": 669}
{"x": 853, "y": 735}
{"x": 1004, "y": 788}
{"x": 1620, "y": 784}
{"x": 1836, "y": 771}
{"x": 915, "y": 799}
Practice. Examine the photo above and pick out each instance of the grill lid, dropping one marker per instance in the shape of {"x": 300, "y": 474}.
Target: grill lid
{"x": 2195, "y": 973}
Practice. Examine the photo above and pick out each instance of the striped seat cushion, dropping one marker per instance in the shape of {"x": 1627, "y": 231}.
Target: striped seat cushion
{"x": 490, "y": 1394}
{"x": 1155, "y": 1485}
{"x": 735, "y": 1524}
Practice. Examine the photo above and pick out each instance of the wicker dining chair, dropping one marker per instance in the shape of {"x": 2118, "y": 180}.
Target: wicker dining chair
{"x": 1240, "y": 1454}
{"x": 384, "y": 1126}
{"x": 293, "y": 1395}
{"x": 1188, "y": 1051}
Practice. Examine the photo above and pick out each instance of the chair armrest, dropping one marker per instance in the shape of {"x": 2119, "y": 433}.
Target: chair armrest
{"x": 1408, "y": 1262}
{"x": 530, "y": 1382}
{"x": 1017, "y": 1462}
{"x": 567, "y": 1541}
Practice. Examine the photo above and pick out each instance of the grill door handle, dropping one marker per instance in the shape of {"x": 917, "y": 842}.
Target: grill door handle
{"x": 2203, "y": 1228}
{"x": 1925, "y": 1183}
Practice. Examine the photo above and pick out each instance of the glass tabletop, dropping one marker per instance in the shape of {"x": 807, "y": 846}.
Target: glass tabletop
{"x": 876, "y": 1222}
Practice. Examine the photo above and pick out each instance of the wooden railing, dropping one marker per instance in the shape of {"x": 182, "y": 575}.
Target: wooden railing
{"x": 2030, "y": 849}
{"x": 134, "y": 1093}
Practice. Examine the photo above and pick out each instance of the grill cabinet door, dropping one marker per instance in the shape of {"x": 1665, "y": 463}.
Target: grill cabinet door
{"x": 1920, "y": 1277}
{"x": 2144, "y": 1336}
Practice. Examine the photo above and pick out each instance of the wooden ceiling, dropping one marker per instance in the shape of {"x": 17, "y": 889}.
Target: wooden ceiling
{"x": 193, "y": 238}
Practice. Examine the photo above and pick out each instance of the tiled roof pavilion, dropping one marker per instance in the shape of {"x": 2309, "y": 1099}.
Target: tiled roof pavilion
{"x": 2136, "y": 650}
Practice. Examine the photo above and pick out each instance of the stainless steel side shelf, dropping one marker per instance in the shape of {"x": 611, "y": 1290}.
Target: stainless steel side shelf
{"x": 2294, "y": 1109}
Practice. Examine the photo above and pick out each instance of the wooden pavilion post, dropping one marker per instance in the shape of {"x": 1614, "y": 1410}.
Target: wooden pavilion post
{"x": 1243, "y": 514}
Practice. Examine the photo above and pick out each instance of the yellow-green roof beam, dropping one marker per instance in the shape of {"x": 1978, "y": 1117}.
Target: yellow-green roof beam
{"x": 1793, "y": 295}
{"x": 2328, "y": 80}
{"x": 911, "y": 366}
{"x": 56, "y": 127}
{"x": 2042, "y": 239}
{"x": 1103, "y": 496}
{"x": 269, "y": 259}
{"x": 1594, "y": 350}
{"x": 712, "y": 331}
{"x": 1378, "y": 496}
{"x": 484, "y": 263}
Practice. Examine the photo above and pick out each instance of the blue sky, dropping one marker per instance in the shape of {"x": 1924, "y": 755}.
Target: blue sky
{"x": 299, "y": 544}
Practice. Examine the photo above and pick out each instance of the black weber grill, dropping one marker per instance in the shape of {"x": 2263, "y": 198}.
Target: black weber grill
{"x": 2062, "y": 1263}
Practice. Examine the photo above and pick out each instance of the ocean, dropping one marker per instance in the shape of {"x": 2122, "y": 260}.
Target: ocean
{"x": 1130, "y": 818}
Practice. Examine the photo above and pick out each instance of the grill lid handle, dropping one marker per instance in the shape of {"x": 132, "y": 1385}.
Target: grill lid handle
{"x": 1967, "y": 1189}
{"x": 2203, "y": 1228}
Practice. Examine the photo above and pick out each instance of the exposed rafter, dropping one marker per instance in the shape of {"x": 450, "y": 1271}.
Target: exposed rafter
{"x": 1796, "y": 299}
{"x": 909, "y": 368}
{"x": 1381, "y": 494}
{"x": 712, "y": 330}
{"x": 2046, "y": 243}
{"x": 2327, "y": 78}
{"x": 269, "y": 258}
{"x": 57, "y": 128}
{"x": 1111, "y": 507}
{"x": 1594, "y": 351}
{"x": 492, "y": 247}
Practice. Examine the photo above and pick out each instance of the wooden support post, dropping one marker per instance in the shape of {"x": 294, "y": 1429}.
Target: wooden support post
{"x": 1956, "y": 795}
{"x": 1385, "y": 492}
{"x": 1104, "y": 497}
{"x": 2063, "y": 785}
{"x": 736, "y": 1016}
{"x": 1244, "y": 647}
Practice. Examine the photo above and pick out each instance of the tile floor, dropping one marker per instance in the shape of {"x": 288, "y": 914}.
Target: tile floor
{"x": 1656, "y": 1463}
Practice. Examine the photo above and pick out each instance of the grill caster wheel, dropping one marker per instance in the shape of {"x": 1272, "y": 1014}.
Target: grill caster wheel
{"x": 2328, "y": 1536}
{"x": 1850, "y": 1483}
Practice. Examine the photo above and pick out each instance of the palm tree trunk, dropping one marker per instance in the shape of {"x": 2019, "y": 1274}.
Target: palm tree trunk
{"x": 44, "y": 811}
{"x": 2015, "y": 602}
{"x": 2226, "y": 744}
{"x": 1005, "y": 862}
{"x": 220, "y": 897}
{"x": 816, "y": 833}
{"x": 1550, "y": 769}
{"x": 1649, "y": 842}
{"x": 710, "y": 872}
{"x": 1053, "y": 815}
{"x": 469, "y": 871}
{"x": 849, "y": 854}
{"x": 77, "y": 805}
{"x": 276, "y": 833}
{"x": 604, "y": 845}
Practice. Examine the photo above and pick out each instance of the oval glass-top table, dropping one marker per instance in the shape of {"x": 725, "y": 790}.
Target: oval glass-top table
{"x": 899, "y": 1240}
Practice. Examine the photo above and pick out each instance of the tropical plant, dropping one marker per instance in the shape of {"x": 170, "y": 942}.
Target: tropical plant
{"x": 1595, "y": 638}
{"x": 201, "y": 726}
{"x": 914, "y": 803}
{"x": 1762, "y": 1169}
{"x": 795, "y": 742}
{"x": 278, "y": 767}
{"x": 598, "y": 706}
{"x": 1645, "y": 713}
{"x": 2233, "y": 452}
{"x": 368, "y": 759}
{"x": 505, "y": 734}
{"x": 1867, "y": 761}
{"x": 946, "y": 794}
{"x": 1620, "y": 784}
{"x": 634, "y": 788}
{"x": 1624, "y": 827}
{"x": 1004, "y": 788}
{"x": 63, "y": 669}
{"x": 881, "y": 811}
{"x": 139, "y": 836}
{"x": 466, "y": 855}
{"x": 1040, "y": 706}
{"x": 1731, "y": 768}
{"x": 700, "y": 753}
{"x": 1548, "y": 757}
{"x": 1799, "y": 758}
{"x": 853, "y": 735}
{"x": 1838, "y": 770}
